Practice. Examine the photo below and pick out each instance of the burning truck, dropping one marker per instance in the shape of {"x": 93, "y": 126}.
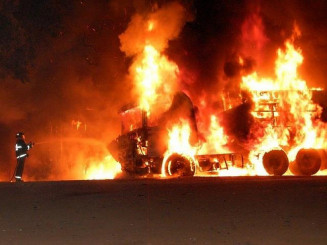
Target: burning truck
{"x": 142, "y": 147}
{"x": 288, "y": 130}
{"x": 288, "y": 136}
{"x": 284, "y": 136}
{"x": 291, "y": 130}
{"x": 269, "y": 111}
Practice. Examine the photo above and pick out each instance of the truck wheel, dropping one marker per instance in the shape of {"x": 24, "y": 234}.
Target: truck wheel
{"x": 275, "y": 162}
{"x": 307, "y": 162}
{"x": 178, "y": 165}
{"x": 205, "y": 165}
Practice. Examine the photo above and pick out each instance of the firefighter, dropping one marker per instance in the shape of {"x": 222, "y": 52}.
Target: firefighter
{"x": 21, "y": 153}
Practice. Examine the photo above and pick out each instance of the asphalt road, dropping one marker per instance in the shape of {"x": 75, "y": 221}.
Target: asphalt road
{"x": 234, "y": 210}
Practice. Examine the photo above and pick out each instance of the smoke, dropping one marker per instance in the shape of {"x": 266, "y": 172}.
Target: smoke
{"x": 145, "y": 40}
{"x": 166, "y": 23}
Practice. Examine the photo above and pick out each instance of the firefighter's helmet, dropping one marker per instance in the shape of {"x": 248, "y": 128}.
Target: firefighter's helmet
{"x": 19, "y": 135}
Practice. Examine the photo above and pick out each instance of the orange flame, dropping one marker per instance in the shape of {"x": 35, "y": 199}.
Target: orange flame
{"x": 285, "y": 108}
{"x": 106, "y": 169}
{"x": 151, "y": 25}
{"x": 179, "y": 142}
{"x": 216, "y": 139}
{"x": 154, "y": 77}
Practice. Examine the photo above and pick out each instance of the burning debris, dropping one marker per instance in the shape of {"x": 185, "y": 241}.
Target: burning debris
{"x": 289, "y": 119}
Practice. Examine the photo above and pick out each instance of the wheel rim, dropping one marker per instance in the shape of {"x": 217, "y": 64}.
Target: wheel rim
{"x": 178, "y": 165}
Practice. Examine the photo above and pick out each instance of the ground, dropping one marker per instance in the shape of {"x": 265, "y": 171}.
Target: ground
{"x": 241, "y": 210}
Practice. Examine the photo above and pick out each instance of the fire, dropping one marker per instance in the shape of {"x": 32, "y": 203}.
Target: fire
{"x": 283, "y": 110}
{"x": 236, "y": 171}
{"x": 151, "y": 25}
{"x": 284, "y": 107}
{"x": 179, "y": 142}
{"x": 179, "y": 137}
{"x": 146, "y": 38}
{"x": 106, "y": 169}
{"x": 216, "y": 139}
{"x": 286, "y": 73}
{"x": 240, "y": 60}
{"x": 154, "y": 77}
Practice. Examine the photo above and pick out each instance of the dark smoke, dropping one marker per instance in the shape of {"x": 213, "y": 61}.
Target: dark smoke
{"x": 61, "y": 61}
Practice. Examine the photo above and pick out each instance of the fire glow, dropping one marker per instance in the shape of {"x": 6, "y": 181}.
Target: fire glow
{"x": 284, "y": 113}
{"x": 150, "y": 72}
{"x": 280, "y": 132}
{"x": 106, "y": 169}
{"x": 285, "y": 106}
{"x": 179, "y": 142}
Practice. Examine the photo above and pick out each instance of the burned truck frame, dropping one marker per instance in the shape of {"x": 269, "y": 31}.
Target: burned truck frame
{"x": 135, "y": 148}
{"x": 142, "y": 144}
{"x": 276, "y": 162}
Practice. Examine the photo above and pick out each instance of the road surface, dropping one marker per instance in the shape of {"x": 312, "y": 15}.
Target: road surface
{"x": 223, "y": 210}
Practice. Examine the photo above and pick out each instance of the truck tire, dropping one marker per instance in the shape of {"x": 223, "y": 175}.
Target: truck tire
{"x": 205, "y": 164}
{"x": 307, "y": 162}
{"x": 179, "y": 165}
{"x": 275, "y": 162}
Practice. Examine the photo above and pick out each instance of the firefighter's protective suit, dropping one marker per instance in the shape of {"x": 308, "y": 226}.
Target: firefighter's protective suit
{"x": 21, "y": 153}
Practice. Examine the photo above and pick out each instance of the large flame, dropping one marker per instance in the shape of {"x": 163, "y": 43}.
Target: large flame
{"x": 146, "y": 39}
{"x": 155, "y": 78}
{"x": 283, "y": 105}
{"x": 153, "y": 75}
{"x": 179, "y": 142}
{"x": 285, "y": 108}
{"x": 216, "y": 139}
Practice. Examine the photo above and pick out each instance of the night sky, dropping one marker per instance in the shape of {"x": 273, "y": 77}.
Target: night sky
{"x": 61, "y": 60}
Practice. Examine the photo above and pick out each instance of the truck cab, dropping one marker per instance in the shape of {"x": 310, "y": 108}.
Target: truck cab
{"x": 141, "y": 146}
